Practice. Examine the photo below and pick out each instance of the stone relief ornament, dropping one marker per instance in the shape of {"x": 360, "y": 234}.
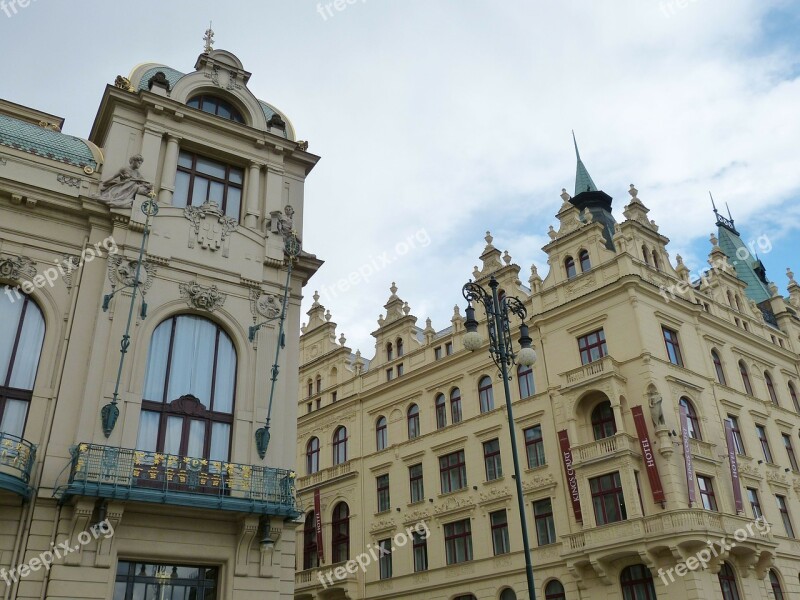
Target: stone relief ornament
{"x": 121, "y": 189}
{"x": 202, "y": 297}
{"x": 67, "y": 180}
{"x": 122, "y": 271}
{"x": 264, "y": 305}
{"x": 69, "y": 264}
{"x": 211, "y": 227}
{"x": 282, "y": 223}
{"x": 17, "y": 268}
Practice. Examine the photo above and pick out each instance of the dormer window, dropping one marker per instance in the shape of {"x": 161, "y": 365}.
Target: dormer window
{"x": 216, "y": 106}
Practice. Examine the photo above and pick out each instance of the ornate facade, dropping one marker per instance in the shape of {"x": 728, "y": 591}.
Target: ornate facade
{"x": 640, "y": 367}
{"x": 139, "y": 269}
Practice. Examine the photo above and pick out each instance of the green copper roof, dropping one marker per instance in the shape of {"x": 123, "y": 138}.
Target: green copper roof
{"x": 54, "y": 145}
{"x": 744, "y": 262}
{"x": 172, "y": 76}
{"x": 583, "y": 181}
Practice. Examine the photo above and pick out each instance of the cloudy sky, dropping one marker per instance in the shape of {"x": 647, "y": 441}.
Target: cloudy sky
{"x": 439, "y": 119}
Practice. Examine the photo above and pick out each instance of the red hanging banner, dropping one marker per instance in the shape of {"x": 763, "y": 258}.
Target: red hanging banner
{"x": 318, "y": 526}
{"x": 737, "y": 488}
{"x": 572, "y": 480}
{"x": 687, "y": 455}
{"x": 647, "y": 454}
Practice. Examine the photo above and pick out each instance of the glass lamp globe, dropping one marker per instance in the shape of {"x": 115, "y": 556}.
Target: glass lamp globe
{"x": 472, "y": 340}
{"x": 526, "y": 357}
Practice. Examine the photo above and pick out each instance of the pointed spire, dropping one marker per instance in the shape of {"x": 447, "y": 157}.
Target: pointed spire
{"x": 583, "y": 181}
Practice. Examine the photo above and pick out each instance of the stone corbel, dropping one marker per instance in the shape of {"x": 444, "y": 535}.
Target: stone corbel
{"x": 601, "y": 570}
{"x": 248, "y": 530}
{"x": 575, "y": 571}
{"x": 746, "y": 564}
{"x": 105, "y": 542}
{"x": 270, "y": 554}
{"x": 81, "y": 515}
{"x": 764, "y": 563}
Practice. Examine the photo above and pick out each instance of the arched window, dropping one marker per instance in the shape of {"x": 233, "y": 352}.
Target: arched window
{"x": 455, "y": 406}
{"x": 655, "y": 261}
{"x": 21, "y": 338}
{"x": 381, "y": 434}
{"x": 583, "y": 258}
{"x": 340, "y": 445}
{"x": 727, "y": 582}
{"x": 637, "y": 583}
{"x": 216, "y": 106}
{"x": 310, "y": 554}
{"x": 508, "y": 594}
{"x": 554, "y": 591}
{"x": 793, "y": 396}
{"x": 569, "y": 266}
{"x": 738, "y": 304}
{"x": 319, "y": 384}
{"x": 730, "y": 299}
{"x": 399, "y": 347}
{"x": 771, "y": 388}
{"x": 645, "y": 255}
{"x": 485, "y": 394}
{"x": 692, "y": 421}
{"x": 413, "y": 421}
{"x": 603, "y": 424}
{"x": 340, "y": 537}
{"x": 748, "y": 388}
{"x": 312, "y": 455}
{"x": 310, "y": 388}
{"x": 389, "y": 351}
{"x": 718, "y": 367}
{"x": 441, "y": 411}
{"x": 189, "y": 388}
{"x": 525, "y": 379}
{"x": 775, "y": 583}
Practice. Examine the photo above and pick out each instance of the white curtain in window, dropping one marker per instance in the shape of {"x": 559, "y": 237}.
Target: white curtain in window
{"x": 29, "y": 348}
{"x": 9, "y": 322}
{"x": 192, "y": 359}
{"x": 172, "y": 439}
{"x": 14, "y": 417}
{"x": 226, "y": 375}
{"x": 148, "y": 431}
{"x": 157, "y": 363}
{"x": 197, "y": 438}
{"x": 220, "y": 441}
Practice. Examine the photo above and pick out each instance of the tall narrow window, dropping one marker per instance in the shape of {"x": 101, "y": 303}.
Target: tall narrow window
{"x": 783, "y": 509}
{"x": 718, "y": 367}
{"x": 755, "y": 503}
{"x": 420, "y": 546}
{"x": 312, "y": 455}
{"x": 737, "y": 434}
{"x": 569, "y": 267}
{"x": 413, "y": 421}
{"x": 748, "y": 388}
{"x": 773, "y": 396}
{"x": 592, "y": 346}
{"x": 607, "y": 499}
{"x": 583, "y": 258}
{"x": 793, "y": 396}
{"x": 637, "y": 581}
{"x": 673, "y": 346}
{"x": 545, "y": 524}
{"x": 491, "y": 460}
{"x": 384, "y": 500}
{"x": 485, "y": 394}
{"x": 787, "y": 442}
{"x": 340, "y": 537}
{"x": 200, "y": 180}
{"x": 458, "y": 542}
{"x": 727, "y": 583}
{"x": 21, "y": 338}
{"x": 455, "y": 406}
{"x": 340, "y": 445}
{"x": 319, "y": 384}
{"x": 775, "y": 584}
{"x": 441, "y": 411}
{"x": 692, "y": 421}
{"x": 525, "y": 379}
{"x": 381, "y": 434}
{"x": 310, "y": 554}
{"x": 189, "y": 389}
{"x": 554, "y": 591}
{"x": 761, "y": 432}
{"x": 400, "y": 349}
{"x": 655, "y": 261}
{"x": 707, "y": 495}
{"x": 385, "y": 559}
{"x": 453, "y": 472}
{"x": 534, "y": 446}
{"x": 416, "y": 483}
{"x": 389, "y": 351}
{"x": 645, "y": 255}
{"x": 499, "y": 525}
{"x": 603, "y": 423}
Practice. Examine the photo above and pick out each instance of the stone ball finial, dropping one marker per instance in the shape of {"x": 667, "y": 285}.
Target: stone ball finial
{"x": 565, "y": 195}
{"x": 489, "y": 239}
{"x": 552, "y": 233}
{"x": 633, "y": 191}
{"x": 679, "y": 258}
{"x": 773, "y": 289}
{"x": 790, "y": 275}
{"x": 406, "y": 308}
{"x": 393, "y": 288}
{"x": 476, "y": 272}
{"x": 328, "y": 315}
{"x": 507, "y": 258}
{"x": 428, "y": 323}
{"x": 534, "y": 270}
{"x": 316, "y": 297}
{"x": 342, "y": 339}
{"x": 714, "y": 240}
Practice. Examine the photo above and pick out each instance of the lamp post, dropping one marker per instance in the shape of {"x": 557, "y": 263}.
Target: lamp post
{"x": 502, "y": 351}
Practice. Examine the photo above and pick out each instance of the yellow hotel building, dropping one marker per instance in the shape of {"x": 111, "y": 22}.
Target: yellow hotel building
{"x": 404, "y": 459}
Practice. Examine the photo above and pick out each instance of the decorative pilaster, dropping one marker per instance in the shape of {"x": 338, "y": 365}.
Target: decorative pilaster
{"x": 253, "y": 184}
{"x": 169, "y": 170}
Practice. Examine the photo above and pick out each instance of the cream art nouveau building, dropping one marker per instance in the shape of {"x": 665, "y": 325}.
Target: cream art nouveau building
{"x": 622, "y": 492}
{"x": 169, "y": 233}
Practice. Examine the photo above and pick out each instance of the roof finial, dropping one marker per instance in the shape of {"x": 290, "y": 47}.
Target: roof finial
{"x": 583, "y": 181}
{"x": 208, "y": 38}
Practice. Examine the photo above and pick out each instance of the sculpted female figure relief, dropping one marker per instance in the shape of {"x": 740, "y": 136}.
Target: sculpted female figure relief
{"x": 120, "y": 190}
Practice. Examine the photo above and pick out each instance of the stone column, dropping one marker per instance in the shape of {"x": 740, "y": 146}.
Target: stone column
{"x": 169, "y": 170}
{"x": 253, "y": 185}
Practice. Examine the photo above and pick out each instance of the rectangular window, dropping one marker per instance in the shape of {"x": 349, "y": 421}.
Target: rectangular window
{"x": 784, "y": 510}
{"x": 416, "y": 483}
{"x": 319, "y": 403}
{"x": 389, "y": 374}
{"x": 201, "y": 180}
{"x": 534, "y": 446}
{"x": 592, "y": 346}
{"x": 762, "y": 437}
{"x": 673, "y": 346}
{"x": 333, "y": 397}
{"x": 146, "y": 580}
{"x": 453, "y": 472}
{"x": 420, "y": 545}
{"x": 491, "y": 459}
{"x": 400, "y": 370}
{"x": 545, "y": 524}
{"x": 448, "y": 348}
{"x": 384, "y": 502}
{"x": 437, "y": 353}
{"x": 385, "y": 558}
{"x": 787, "y": 442}
{"x": 499, "y": 523}
{"x": 737, "y": 434}
{"x": 458, "y": 542}
{"x": 707, "y": 495}
{"x": 607, "y": 499}
{"x": 309, "y": 406}
{"x": 755, "y": 503}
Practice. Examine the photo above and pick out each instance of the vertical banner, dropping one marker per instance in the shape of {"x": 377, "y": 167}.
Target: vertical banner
{"x": 647, "y": 454}
{"x": 737, "y": 487}
{"x": 572, "y": 480}
{"x": 687, "y": 456}
{"x": 318, "y": 526}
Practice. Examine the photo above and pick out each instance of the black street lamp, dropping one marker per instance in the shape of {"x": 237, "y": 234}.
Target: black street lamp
{"x": 502, "y": 351}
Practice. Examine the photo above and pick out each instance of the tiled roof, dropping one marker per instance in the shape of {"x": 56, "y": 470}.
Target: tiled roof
{"x": 48, "y": 143}
{"x": 172, "y": 76}
{"x": 744, "y": 263}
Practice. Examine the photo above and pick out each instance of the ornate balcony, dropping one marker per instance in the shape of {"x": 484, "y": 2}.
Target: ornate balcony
{"x": 606, "y": 448}
{"x": 333, "y": 576}
{"x": 126, "y": 474}
{"x": 17, "y": 457}
{"x": 589, "y": 372}
{"x": 325, "y": 475}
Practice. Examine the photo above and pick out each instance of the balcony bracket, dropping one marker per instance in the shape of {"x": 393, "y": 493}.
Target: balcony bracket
{"x": 248, "y": 530}
{"x": 81, "y": 516}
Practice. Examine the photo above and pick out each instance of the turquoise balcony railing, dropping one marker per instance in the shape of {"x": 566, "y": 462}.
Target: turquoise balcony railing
{"x": 17, "y": 457}
{"x": 126, "y": 474}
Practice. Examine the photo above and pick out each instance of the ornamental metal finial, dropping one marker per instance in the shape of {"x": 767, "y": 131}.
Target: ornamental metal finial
{"x": 208, "y": 38}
